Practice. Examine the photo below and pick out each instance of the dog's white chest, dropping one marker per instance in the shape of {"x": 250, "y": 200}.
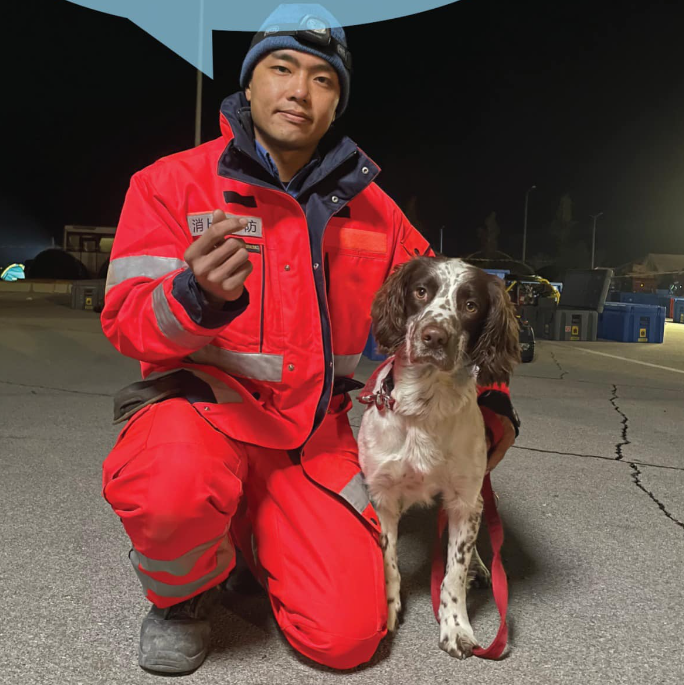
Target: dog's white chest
{"x": 412, "y": 479}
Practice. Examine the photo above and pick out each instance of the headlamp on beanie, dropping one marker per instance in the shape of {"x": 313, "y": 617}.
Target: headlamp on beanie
{"x": 311, "y": 30}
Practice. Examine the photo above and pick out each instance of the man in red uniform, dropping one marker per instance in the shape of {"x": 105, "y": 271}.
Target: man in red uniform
{"x": 241, "y": 277}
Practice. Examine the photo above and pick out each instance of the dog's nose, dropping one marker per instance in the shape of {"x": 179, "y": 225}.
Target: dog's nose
{"x": 434, "y": 336}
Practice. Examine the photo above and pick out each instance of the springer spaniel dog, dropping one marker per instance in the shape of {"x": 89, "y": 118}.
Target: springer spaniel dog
{"x": 449, "y": 327}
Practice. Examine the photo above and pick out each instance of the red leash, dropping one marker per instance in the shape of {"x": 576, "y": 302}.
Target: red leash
{"x": 499, "y": 582}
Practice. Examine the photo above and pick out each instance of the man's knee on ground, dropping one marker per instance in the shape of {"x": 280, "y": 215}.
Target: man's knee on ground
{"x": 177, "y": 489}
{"x": 344, "y": 643}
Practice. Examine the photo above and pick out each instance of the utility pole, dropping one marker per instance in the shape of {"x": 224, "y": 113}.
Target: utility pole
{"x": 593, "y": 237}
{"x": 198, "y": 93}
{"x": 198, "y": 110}
{"x": 524, "y": 250}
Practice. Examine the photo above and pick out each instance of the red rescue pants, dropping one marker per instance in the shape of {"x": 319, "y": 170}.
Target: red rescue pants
{"x": 178, "y": 484}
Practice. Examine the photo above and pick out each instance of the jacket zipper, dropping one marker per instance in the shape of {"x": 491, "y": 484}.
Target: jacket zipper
{"x": 266, "y": 186}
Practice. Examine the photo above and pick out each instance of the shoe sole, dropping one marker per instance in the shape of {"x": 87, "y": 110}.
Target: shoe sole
{"x": 171, "y": 666}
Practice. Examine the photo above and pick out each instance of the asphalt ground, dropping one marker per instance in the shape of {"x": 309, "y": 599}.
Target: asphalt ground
{"x": 592, "y": 499}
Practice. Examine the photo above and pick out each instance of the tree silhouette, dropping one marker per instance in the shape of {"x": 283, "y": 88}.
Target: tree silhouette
{"x": 488, "y": 234}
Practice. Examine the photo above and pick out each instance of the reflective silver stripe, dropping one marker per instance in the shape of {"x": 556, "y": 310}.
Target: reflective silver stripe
{"x": 224, "y": 556}
{"x": 345, "y": 364}
{"x": 176, "y": 567}
{"x": 259, "y": 367}
{"x": 146, "y": 266}
{"x": 170, "y": 326}
{"x": 356, "y": 493}
{"x": 222, "y": 393}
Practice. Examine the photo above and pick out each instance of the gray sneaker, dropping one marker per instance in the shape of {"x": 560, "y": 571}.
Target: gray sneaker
{"x": 176, "y": 640}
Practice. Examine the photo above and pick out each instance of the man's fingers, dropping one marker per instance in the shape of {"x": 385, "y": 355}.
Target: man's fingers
{"x": 214, "y": 236}
{"x": 500, "y": 449}
{"x": 238, "y": 277}
{"x": 226, "y": 269}
{"x": 205, "y": 264}
{"x": 496, "y": 456}
{"x": 218, "y": 215}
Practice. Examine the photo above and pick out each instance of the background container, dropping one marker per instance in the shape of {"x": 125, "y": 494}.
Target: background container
{"x": 640, "y": 298}
{"x": 575, "y": 324}
{"x": 540, "y": 317}
{"x": 371, "y": 349}
{"x": 585, "y": 289}
{"x": 88, "y": 295}
{"x": 626, "y": 322}
{"x": 678, "y": 310}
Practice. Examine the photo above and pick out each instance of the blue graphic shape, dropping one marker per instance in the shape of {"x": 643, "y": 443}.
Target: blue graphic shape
{"x": 185, "y": 26}
{"x": 14, "y": 272}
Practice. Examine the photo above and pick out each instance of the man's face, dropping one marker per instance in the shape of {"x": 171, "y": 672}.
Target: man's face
{"x": 293, "y": 98}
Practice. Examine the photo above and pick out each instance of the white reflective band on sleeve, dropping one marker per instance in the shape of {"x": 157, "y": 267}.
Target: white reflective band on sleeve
{"x": 356, "y": 493}
{"x": 345, "y": 364}
{"x": 259, "y": 367}
{"x": 140, "y": 266}
{"x": 170, "y": 326}
{"x": 224, "y": 556}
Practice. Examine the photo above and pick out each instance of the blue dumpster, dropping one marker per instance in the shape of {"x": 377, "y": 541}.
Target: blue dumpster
{"x": 371, "y": 350}
{"x": 678, "y": 310}
{"x": 640, "y": 298}
{"x": 501, "y": 273}
{"x": 632, "y": 322}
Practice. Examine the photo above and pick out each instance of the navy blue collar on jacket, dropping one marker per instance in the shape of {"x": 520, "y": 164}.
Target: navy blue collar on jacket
{"x": 241, "y": 159}
{"x": 294, "y": 185}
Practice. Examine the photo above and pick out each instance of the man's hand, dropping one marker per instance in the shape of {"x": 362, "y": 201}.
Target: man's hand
{"x": 221, "y": 265}
{"x": 504, "y": 444}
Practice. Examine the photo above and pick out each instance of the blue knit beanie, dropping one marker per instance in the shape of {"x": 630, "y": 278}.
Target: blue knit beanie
{"x": 297, "y": 17}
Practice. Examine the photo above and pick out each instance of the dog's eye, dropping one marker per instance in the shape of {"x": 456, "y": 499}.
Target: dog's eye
{"x": 421, "y": 293}
{"x": 471, "y": 306}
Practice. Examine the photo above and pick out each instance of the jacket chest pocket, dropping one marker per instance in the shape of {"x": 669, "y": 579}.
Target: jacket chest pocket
{"x": 355, "y": 239}
{"x": 353, "y": 279}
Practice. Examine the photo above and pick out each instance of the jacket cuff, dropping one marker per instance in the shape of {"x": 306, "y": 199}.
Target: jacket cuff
{"x": 187, "y": 292}
{"x": 499, "y": 402}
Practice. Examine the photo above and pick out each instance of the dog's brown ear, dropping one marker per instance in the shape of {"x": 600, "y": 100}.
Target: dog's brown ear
{"x": 389, "y": 309}
{"x": 498, "y": 347}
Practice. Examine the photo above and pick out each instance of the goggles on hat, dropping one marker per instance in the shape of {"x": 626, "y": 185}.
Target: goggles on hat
{"x": 311, "y": 30}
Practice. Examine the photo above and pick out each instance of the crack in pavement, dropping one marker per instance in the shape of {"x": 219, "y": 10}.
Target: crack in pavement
{"x": 636, "y": 477}
{"x": 45, "y": 387}
{"x": 596, "y": 456}
{"x": 636, "y": 473}
{"x": 560, "y": 368}
{"x": 625, "y": 441}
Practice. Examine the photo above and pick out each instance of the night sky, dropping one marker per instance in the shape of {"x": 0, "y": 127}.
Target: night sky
{"x": 463, "y": 107}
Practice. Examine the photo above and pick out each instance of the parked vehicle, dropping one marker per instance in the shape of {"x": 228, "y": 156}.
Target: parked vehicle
{"x": 526, "y": 341}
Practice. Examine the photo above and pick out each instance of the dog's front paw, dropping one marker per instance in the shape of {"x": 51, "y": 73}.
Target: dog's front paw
{"x": 393, "y": 611}
{"x": 457, "y": 641}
